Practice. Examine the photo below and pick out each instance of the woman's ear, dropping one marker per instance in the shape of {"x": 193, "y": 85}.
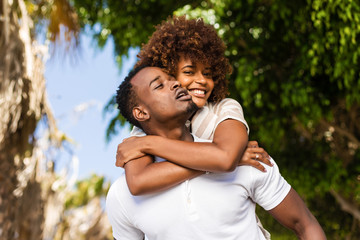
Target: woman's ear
{"x": 140, "y": 114}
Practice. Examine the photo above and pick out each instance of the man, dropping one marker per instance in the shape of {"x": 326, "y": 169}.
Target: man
{"x": 209, "y": 206}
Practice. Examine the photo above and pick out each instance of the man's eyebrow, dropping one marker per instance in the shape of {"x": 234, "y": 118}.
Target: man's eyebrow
{"x": 154, "y": 80}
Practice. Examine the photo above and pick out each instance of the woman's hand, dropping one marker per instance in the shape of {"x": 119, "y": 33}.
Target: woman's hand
{"x": 129, "y": 149}
{"x": 253, "y": 155}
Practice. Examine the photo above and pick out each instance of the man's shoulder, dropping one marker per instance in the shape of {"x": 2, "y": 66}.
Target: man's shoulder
{"x": 254, "y": 176}
{"x": 117, "y": 186}
{"x": 257, "y": 174}
{"x": 116, "y": 196}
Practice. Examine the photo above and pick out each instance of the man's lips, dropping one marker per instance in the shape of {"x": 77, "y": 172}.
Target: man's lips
{"x": 182, "y": 94}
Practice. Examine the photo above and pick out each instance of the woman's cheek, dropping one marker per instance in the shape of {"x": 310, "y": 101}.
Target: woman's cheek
{"x": 199, "y": 102}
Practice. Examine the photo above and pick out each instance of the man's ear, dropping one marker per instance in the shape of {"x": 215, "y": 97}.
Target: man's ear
{"x": 140, "y": 114}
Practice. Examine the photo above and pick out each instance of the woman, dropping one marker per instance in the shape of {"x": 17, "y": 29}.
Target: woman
{"x": 192, "y": 51}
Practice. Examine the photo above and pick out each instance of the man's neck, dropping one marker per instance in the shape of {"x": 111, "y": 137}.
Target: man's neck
{"x": 172, "y": 132}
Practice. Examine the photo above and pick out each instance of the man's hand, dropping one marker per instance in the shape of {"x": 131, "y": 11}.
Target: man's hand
{"x": 128, "y": 150}
{"x": 253, "y": 155}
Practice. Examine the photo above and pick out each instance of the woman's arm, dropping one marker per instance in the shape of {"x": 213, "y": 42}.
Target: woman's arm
{"x": 222, "y": 155}
{"x": 143, "y": 176}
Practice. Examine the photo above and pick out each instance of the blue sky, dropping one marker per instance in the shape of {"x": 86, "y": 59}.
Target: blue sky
{"x": 77, "y": 93}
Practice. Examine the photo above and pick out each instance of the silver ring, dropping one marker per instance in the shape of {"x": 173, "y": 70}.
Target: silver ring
{"x": 257, "y": 156}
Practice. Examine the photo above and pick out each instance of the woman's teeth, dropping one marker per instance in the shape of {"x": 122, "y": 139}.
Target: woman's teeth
{"x": 198, "y": 92}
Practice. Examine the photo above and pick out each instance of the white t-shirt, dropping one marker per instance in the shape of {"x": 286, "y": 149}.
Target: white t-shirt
{"x": 205, "y": 120}
{"x": 211, "y": 206}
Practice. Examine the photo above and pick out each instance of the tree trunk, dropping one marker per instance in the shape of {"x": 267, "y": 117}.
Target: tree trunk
{"x": 22, "y": 94}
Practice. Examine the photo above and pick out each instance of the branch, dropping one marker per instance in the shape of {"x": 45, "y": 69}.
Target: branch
{"x": 345, "y": 205}
{"x": 6, "y": 20}
{"x": 301, "y": 128}
{"x": 24, "y": 34}
{"x": 342, "y": 132}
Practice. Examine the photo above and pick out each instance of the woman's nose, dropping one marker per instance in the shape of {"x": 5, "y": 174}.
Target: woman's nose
{"x": 200, "y": 79}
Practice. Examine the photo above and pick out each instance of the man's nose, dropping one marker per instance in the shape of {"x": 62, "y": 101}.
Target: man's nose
{"x": 175, "y": 85}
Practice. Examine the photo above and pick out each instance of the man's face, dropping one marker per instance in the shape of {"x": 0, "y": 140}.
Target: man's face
{"x": 161, "y": 95}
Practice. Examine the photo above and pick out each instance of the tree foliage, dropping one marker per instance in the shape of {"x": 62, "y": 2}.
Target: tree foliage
{"x": 86, "y": 190}
{"x": 296, "y": 73}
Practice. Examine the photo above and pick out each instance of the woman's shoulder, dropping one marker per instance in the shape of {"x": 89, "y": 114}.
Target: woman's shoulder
{"x": 227, "y": 108}
{"x": 225, "y": 101}
{"x": 223, "y": 105}
{"x": 205, "y": 121}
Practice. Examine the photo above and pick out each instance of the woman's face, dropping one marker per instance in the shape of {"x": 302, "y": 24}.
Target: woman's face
{"x": 197, "y": 79}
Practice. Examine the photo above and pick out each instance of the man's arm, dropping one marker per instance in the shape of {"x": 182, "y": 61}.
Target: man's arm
{"x": 274, "y": 194}
{"x": 143, "y": 176}
{"x": 293, "y": 213}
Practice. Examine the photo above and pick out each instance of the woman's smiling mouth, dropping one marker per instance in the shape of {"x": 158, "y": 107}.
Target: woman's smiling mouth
{"x": 197, "y": 92}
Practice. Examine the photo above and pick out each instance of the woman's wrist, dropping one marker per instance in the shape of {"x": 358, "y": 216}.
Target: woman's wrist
{"x": 147, "y": 144}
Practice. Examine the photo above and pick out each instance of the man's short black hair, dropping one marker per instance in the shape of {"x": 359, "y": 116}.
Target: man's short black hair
{"x": 126, "y": 97}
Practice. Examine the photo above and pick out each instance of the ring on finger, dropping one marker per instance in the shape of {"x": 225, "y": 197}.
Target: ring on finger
{"x": 257, "y": 156}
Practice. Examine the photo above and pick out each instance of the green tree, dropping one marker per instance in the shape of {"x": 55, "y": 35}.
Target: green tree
{"x": 296, "y": 73}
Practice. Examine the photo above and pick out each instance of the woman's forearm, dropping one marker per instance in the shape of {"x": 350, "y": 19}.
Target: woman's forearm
{"x": 144, "y": 176}
{"x": 194, "y": 155}
{"x": 222, "y": 155}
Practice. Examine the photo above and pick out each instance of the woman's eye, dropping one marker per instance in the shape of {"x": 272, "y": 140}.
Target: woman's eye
{"x": 188, "y": 72}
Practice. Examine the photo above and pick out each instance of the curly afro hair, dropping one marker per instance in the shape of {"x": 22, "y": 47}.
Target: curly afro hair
{"x": 196, "y": 41}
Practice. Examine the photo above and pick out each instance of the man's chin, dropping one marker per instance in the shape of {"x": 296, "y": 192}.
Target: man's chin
{"x": 192, "y": 108}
